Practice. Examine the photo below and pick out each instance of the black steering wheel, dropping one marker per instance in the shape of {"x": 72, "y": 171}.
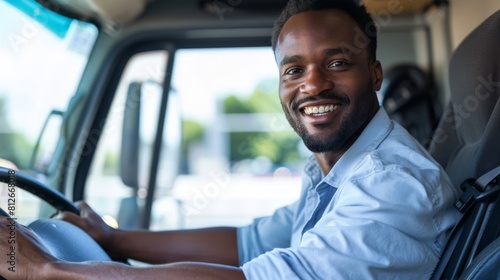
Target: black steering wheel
{"x": 37, "y": 188}
{"x": 66, "y": 241}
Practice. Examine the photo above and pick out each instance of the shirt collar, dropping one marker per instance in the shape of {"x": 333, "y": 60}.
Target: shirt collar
{"x": 371, "y": 137}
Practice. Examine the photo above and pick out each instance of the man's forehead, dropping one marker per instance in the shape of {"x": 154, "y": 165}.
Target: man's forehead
{"x": 327, "y": 26}
{"x": 326, "y": 19}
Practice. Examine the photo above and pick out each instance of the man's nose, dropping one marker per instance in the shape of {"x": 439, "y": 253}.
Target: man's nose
{"x": 316, "y": 81}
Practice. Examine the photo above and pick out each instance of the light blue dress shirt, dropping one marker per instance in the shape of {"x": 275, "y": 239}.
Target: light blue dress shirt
{"x": 384, "y": 211}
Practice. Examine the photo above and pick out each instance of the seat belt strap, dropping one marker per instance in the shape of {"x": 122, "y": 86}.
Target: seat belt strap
{"x": 474, "y": 189}
{"x": 488, "y": 177}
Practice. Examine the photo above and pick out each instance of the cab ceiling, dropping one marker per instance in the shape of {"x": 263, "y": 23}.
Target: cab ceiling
{"x": 116, "y": 13}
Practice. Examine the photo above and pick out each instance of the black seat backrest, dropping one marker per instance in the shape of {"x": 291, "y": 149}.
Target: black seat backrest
{"x": 408, "y": 96}
{"x": 467, "y": 141}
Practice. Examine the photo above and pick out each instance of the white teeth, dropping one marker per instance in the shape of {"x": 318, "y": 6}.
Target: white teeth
{"x": 320, "y": 109}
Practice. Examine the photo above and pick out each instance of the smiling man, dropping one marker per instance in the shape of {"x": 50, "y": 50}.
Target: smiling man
{"x": 327, "y": 84}
{"x": 374, "y": 204}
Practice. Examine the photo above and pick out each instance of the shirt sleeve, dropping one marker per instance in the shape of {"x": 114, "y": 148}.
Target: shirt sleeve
{"x": 384, "y": 225}
{"x": 266, "y": 233}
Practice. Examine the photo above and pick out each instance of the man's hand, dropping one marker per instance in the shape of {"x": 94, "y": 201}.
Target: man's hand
{"x": 91, "y": 223}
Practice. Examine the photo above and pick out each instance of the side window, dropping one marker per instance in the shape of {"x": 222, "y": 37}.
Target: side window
{"x": 239, "y": 158}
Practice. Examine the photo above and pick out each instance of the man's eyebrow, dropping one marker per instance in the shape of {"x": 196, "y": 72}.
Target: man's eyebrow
{"x": 327, "y": 52}
{"x": 289, "y": 59}
{"x": 340, "y": 50}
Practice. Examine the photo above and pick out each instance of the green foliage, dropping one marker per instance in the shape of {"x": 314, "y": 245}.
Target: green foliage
{"x": 279, "y": 147}
{"x": 192, "y": 131}
{"x": 16, "y": 149}
{"x": 264, "y": 99}
{"x": 233, "y": 105}
{"x": 111, "y": 163}
{"x": 14, "y": 146}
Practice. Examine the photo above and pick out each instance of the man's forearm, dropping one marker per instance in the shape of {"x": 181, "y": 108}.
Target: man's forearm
{"x": 213, "y": 245}
{"x": 110, "y": 271}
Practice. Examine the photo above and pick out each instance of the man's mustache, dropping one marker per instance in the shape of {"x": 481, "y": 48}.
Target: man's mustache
{"x": 327, "y": 95}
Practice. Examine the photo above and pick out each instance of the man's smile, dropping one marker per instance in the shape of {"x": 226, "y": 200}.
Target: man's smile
{"x": 320, "y": 110}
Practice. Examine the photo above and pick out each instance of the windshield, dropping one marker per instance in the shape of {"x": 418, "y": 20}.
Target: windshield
{"x": 42, "y": 58}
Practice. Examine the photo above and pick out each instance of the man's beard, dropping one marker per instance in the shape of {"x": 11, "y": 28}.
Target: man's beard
{"x": 349, "y": 126}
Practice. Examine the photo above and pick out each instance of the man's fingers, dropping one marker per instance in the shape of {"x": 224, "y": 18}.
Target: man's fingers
{"x": 82, "y": 204}
{"x": 72, "y": 218}
{"x": 85, "y": 209}
{"x": 75, "y": 218}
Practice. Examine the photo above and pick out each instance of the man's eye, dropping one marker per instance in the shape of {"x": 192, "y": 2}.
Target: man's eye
{"x": 292, "y": 71}
{"x": 337, "y": 63}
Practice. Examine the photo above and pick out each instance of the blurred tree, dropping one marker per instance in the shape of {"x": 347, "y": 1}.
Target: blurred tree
{"x": 278, "y": 146}
{"x": 233, "y": 105}
{"x": 192, "y": 132}
{"x": 264, "y": 98}
{"x": 13, "y": 146}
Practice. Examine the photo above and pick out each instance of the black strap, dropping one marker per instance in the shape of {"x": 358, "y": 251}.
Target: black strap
{"x": 488, "y": 177}
{"x": 474, "y": 191}
{"x": 477, "y": 190}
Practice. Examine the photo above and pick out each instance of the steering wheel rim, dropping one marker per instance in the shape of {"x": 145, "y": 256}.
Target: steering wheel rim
{"x": 58, "y": 235}
{"x": 37, "y": 188}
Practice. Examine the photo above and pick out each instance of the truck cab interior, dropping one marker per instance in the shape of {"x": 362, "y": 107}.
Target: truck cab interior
{"x": 164, "y": 114}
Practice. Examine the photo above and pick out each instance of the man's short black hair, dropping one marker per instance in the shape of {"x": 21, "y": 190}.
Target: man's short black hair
{"x": 356, "y": 11}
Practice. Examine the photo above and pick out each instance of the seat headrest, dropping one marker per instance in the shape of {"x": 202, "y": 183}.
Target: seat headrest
{"x": 467, "y": 138}
{"x": 475, "y": 76}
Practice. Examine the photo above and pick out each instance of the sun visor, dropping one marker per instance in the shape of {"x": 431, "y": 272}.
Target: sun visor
{"x": 109, "y": 13}
{"x": 117, "y": 12}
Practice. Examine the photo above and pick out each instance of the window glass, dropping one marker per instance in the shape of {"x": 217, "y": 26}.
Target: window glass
{"x": 42, "y": 58}
{"x": 239, "y": 158}
{"x": 42, "y": 63}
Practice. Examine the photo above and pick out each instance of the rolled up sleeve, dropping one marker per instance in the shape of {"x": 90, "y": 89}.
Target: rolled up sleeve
{"x": 265, "y": 234}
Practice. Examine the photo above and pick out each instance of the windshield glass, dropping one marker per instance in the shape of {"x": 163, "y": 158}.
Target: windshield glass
{"x": 42, "y": 58}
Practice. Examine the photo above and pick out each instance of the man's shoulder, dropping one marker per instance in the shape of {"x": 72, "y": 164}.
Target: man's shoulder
{"x": 400, "y": 147}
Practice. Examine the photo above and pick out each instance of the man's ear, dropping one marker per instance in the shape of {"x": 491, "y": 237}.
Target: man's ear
{"x": 377, "y": 75}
